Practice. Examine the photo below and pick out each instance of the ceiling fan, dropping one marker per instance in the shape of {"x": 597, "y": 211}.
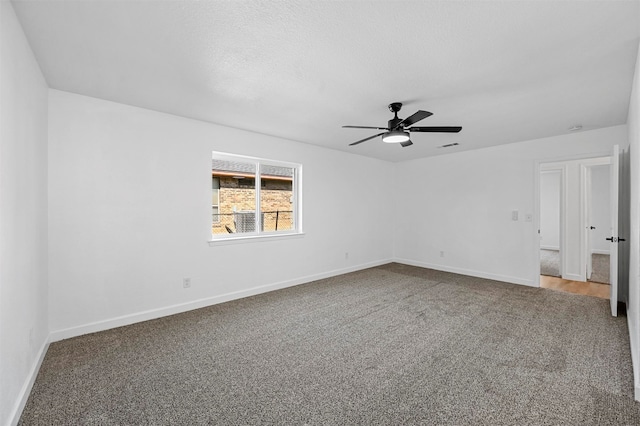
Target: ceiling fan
{"x": 397, "y": 130}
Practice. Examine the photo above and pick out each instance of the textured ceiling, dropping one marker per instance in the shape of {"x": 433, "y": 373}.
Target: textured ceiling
{"x": 506, "y": 71}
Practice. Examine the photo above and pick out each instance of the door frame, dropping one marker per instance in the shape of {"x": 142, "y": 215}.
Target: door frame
{"x": 585, "y": 201}
{"x": 586, "y": 212}
{"x": 549, "y": 162}
{"x": 562, "y": 172}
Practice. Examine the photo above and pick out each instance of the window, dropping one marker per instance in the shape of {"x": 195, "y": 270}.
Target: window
{"x": 242, "y": 186}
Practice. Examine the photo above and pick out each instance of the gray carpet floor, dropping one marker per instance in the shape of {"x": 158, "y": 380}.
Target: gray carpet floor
{"x": 388, "y": 345}
{"x": 550, "y": 265}
{"x": 600, "y": 268}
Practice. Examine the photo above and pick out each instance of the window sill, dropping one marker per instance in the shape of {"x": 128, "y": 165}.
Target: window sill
{"x": 253, "y": 238}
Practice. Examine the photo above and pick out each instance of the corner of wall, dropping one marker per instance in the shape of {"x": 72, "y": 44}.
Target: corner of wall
{"x": 23, "y": 396}
{"x": 23, "y": 216}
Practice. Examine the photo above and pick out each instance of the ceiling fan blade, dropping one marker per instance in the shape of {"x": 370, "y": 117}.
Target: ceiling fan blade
{"x": 366, "y": 139}
{"x": 407, "y": 143}
{"x": 365, "y": 127}
{"x": 435, "y": 129}
{"x": 420, "y": 115}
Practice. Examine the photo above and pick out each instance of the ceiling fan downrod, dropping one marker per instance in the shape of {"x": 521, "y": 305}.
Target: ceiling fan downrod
{"x": 395, "y": 107}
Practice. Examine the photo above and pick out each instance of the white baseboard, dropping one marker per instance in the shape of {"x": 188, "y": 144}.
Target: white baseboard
{"x": 556, "y": 248}
{"x": 635, "y": 356}
{"x": 469, "y": 272}
{"x": 23, "y": 396}
{"x": 200, "y": 303}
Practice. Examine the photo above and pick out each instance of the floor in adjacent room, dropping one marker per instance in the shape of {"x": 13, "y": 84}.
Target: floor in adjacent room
{"x": 596, "y": 286}
{"x": 575, "y": 287}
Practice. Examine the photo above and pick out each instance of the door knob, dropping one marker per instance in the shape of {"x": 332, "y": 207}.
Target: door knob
{"x": 615, "y": 239}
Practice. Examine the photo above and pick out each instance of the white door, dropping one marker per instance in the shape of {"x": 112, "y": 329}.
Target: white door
{"x": 613, "y": 259}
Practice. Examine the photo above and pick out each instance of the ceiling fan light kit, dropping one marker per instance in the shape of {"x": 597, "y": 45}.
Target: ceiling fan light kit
{"x": 395, "y": 136}
{"x": 397, "y": 130}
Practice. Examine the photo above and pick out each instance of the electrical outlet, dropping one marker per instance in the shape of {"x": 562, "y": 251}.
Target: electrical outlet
{"x": 441, "y": 254}
{"x": 346, "y": 255}
{"x": 186, "y": 283}
{"x": 514, "y": 215}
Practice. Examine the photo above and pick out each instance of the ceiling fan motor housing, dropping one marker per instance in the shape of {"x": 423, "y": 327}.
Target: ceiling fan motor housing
{"x": 394, "y": 124}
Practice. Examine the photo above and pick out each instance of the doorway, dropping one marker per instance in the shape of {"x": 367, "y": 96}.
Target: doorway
{"x": 574, "y": 220}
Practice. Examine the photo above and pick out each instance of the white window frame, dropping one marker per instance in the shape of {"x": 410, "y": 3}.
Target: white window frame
{"x": 296, "y": 204}
{"x": 217, "y": 205}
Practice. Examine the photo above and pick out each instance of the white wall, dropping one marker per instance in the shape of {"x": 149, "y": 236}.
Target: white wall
{"x": 600, "y": 213}
{"x": 463, "y": 206}
{"x": 23, "y": 215}
{"x": 633, "y": 308}
{"x": 550, "y": 209}
{"x": 129, "y": 215}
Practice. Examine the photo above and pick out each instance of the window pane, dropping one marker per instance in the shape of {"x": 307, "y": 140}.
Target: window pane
{"x": 215, "y": 216}
{"x": 276, "y": 198}
{"x": 236, "y": 196}
{"x": 215, "y": 185}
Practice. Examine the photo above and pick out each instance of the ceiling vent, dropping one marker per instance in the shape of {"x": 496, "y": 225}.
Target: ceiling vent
{"x": 449, "y": 145}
